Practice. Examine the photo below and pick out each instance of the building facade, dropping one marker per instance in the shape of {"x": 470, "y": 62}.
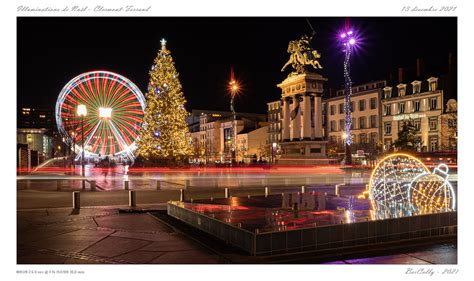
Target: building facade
{"x": 251, "y": 145}
{"x": 420, "y": 103}
{"x": 366, "y": 113}
{"x": 274, "y": 122}
{"x": 214, "y": 141}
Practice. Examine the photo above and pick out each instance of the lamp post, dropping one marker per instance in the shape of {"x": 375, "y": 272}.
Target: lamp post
{"x": 348, "y": 40}
{"x": 82, "y": 112}
{"x": 234, "y": 88}
{"x": 274, "y": 145}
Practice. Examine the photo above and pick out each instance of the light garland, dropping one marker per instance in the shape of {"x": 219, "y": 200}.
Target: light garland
{"x": 401, "y": 185}
{"x": 166, "y": 135}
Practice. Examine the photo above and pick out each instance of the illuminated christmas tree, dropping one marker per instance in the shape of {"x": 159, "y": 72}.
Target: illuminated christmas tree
{"x": 164, "y": 137}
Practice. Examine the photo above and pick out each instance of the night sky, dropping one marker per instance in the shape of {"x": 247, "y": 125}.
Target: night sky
{"x": 51, "y": 51}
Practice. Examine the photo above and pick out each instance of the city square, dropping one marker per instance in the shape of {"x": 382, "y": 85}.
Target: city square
{"x": 295, "y": 140}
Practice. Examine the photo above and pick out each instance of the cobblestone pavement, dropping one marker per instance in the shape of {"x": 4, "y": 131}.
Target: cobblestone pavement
{"x": 102, "y": 236}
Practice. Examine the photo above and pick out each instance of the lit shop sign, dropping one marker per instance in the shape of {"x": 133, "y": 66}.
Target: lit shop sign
{"x": 408, "y": 116}
{"x": 216, "y": 115}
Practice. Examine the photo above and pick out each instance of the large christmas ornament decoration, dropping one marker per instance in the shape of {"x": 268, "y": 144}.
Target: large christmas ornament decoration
{"x": 114, "y": 113}
{"x": 432, "y": 193}
{"x": 390, "y": 182}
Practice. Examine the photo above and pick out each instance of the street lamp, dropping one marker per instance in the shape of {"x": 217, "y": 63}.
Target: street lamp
{"x": 348, "y": 40}
{"x": 274, "y": 145}
{"x": 82, "y": 112}
{"x": 234, "y": 89}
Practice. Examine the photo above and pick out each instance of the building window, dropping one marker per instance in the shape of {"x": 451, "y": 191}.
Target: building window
{"x": 387, "y": 110}
{"x": 387, "y": 92}
{"x": 401, "y": 108}
{"x": 333, "y": 109}
{"x": 417, "y": 124}
{"x": 373, "y": 121}
{"x": 341, "y": 125}
{"x": 373, "y": 137}
{"x": 361, "y": 122}
{"x": 433, "y": 143}
{"x": 401, "y": 89}
{"x": 353, "y": 124}
{"x": 363, "y": 138}
{"x": 416, "y": 87}
{"x": 362, "y": 105}
{"x": 416, "y": 106}
{"x": 433, "y": 124}
{"x": 433, "y": 103}
{"x": 373, "y": 103}
{"x": 352, "y": 106}
{"x": 388, "y": 128}
{"x": 341, "y": 108}
{"x": 433, "y": 83}
{"x": 332, "y": 127}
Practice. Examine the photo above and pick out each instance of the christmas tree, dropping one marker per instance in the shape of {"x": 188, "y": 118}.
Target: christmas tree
{"x": 407, "y": 139}
{"x": 164, "y": 137}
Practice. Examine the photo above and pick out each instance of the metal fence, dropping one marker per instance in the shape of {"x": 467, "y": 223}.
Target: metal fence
{"x": 322, "y": 237}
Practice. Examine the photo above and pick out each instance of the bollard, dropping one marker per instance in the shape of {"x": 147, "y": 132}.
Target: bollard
{"x": 248, "y": 196}
{"x": 337, "y": 189}
{"x": 92, "y": 185}
{"x": 181, "y": 195}
{"x": 303, "y": 189}
{"x": 58, "y": 185}
{"x": 226, "y": 192}
{"x": 158, "y": 185}
{"x": 125, "y": 185}
{"x": 132, "y": 198}
{"x": 186, "y": 184}
{"x": 83, "y": 184}
{"x": 267, "y": 191}
{"x": 76, "y": 200}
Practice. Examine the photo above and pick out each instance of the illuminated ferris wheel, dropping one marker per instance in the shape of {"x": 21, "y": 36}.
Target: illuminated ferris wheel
{"x": 112, "y": 111}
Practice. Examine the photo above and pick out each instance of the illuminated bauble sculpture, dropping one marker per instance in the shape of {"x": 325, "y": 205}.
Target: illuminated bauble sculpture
{"x": 114, "y": 113}
{"x": 390, "y": 182}
{"x": 432, "y": 193}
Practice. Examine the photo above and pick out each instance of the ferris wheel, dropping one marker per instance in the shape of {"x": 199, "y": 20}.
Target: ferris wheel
{"x": 112, "y": 112}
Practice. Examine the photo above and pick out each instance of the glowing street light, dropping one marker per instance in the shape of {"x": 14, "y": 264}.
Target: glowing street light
{"x": 82, "y": 112}
{"x": 234, "y": 89}
{"x": 105, "y": 112}
{"x": 348, "y": 40}
{"x": 274, "y": 146}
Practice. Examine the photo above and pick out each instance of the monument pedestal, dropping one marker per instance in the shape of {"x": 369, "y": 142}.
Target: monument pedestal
{"x": 308, "y": 152}
{"x": 302, "y": 129}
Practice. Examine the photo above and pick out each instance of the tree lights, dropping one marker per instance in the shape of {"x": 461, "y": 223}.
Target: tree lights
{"x": 164, "y": 137}
{"x": 111, "y": 108}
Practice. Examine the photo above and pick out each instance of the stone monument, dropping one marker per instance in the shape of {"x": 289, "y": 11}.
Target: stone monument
{"x": 302, "y": 123}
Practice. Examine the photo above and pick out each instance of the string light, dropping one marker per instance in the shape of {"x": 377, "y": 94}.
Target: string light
{"x": 165, "y": 136}
{"x": 432, "y": 193}
{"x": 402, "y": 185}
{"x": 390, "y": 182}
